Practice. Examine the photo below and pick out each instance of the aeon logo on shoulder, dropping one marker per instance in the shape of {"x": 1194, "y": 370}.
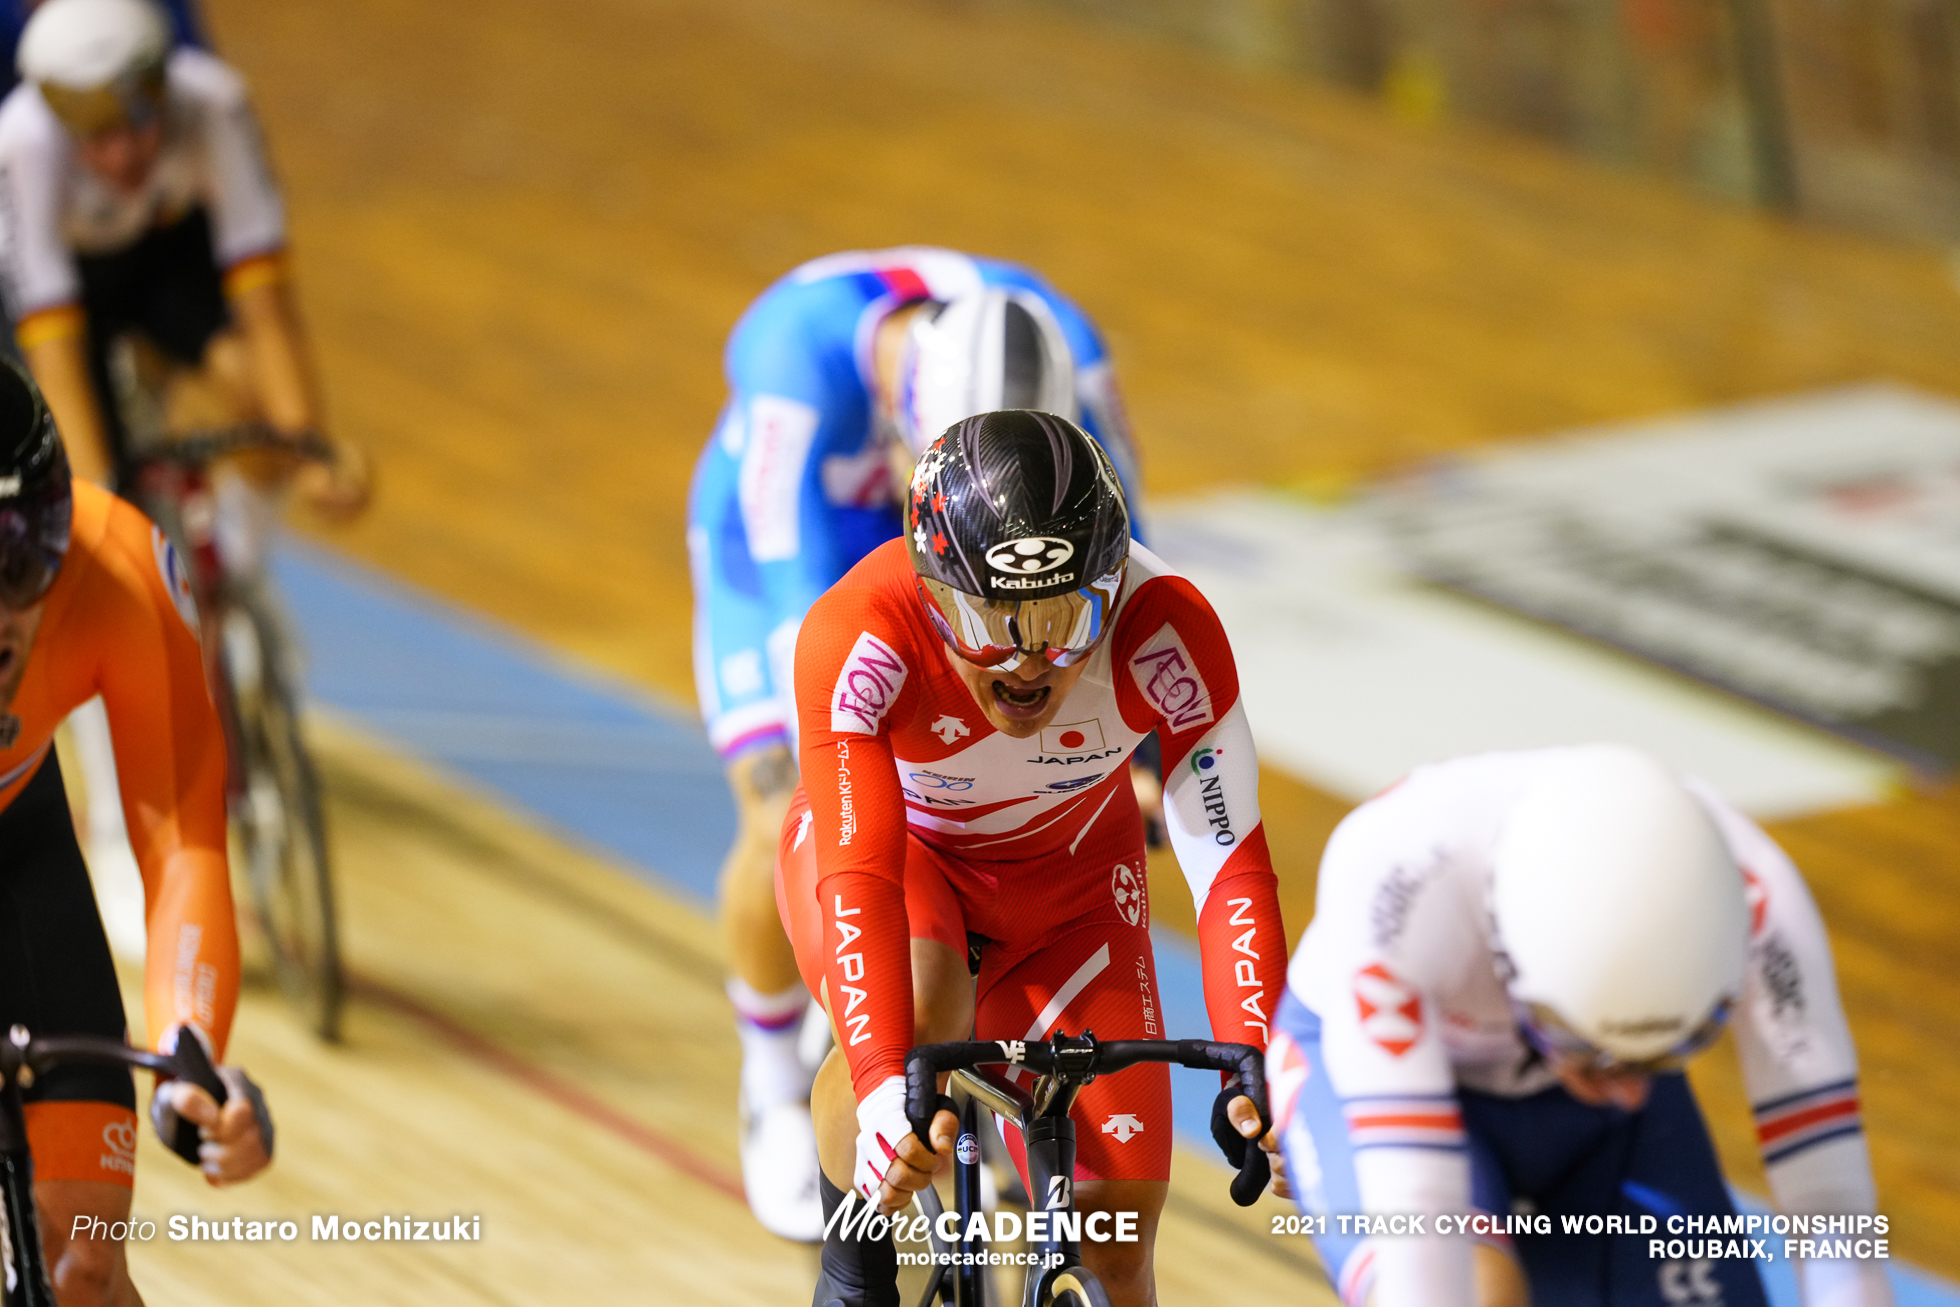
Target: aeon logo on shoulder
{"x": 1168, "y": 678}
{"x": 1030, "y": 555}
{"x": 867, "y": 687}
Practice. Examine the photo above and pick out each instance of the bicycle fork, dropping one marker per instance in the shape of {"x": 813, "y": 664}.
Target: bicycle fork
{"x": 1050, "y": 1144}
{"x": 1051, "y": 1190}
{"x": 27, "y": 1271}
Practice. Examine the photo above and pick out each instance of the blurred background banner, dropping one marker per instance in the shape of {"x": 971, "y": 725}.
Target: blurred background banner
{"x": 1848, "y": 112}
{"x": 1804, "y": 553}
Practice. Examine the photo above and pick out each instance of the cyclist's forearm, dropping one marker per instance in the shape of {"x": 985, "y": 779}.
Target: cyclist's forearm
{"x": 191, "y": 973}
{"x": 1243, "y": 946}
{"x": 59, "y": 363}
{"x": 170, "y": 766}
{"x": 282, "y": 368}
{"x": 868, "y": 974}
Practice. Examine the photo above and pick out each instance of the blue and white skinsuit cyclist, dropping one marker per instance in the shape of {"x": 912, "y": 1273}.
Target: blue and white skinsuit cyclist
{"x": 837, "y": 375}
{"x": 1511, "y": 958}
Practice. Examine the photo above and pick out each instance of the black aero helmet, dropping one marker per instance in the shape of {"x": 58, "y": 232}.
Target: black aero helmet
{"x": 1019, "y": 533}
{"x": 36, "y": 498}
{"x": 995, "y": 348}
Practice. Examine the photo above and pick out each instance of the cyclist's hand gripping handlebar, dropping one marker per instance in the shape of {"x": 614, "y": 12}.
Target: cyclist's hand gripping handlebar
{"x": 1248, "y": 1066}
{"x": 923, "y": 1101}
{"x": 191, "y": 1064}
{"x": 924, "y": 1063}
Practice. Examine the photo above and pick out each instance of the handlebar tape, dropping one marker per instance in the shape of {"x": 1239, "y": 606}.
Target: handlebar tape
{"x": 1248, "y": 1064}
{"x": 1251, "y": 1180}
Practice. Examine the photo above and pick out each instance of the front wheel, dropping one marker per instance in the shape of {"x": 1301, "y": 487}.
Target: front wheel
{"x": 1074, "y": 1287}
{"x": 277, "y": 813}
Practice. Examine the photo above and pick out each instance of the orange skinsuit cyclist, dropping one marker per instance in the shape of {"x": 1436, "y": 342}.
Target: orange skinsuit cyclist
{"x": 93, "y": 601}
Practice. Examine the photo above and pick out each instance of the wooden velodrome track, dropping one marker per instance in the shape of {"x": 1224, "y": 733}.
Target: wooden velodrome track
{"x": 523, "y": 231}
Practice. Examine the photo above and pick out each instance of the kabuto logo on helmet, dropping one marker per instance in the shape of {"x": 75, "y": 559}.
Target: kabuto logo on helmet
{"x": 1030, "y": 555}
{"x": 1029, "y": 582}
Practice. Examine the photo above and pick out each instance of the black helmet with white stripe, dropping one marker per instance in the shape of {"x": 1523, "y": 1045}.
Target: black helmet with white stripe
{"x": 1019, "y": 534}
{"x": 997, "y": 348}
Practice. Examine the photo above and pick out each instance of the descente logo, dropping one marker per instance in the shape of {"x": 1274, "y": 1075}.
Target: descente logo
{"x": 867, "y": 686}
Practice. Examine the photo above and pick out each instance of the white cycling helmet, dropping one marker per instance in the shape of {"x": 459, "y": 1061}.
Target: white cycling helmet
{"x": 997, "y": 349}
{"x": 98, "y": 63}
{"x": 1620, "y": 910}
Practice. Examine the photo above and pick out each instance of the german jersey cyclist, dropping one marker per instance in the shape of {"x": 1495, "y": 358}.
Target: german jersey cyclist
{"x": 186, "y": 22}
{"x": 1511, "y": 957}
{"x": 833, "y": 375}
{"x": 138, "y": 200}
{"x": 93, "y": 601}
{"x": 970, "y": 854}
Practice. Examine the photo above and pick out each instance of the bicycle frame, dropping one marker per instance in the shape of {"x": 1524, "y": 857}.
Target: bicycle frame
{"x": 31, "y": 1285}
{"x": 1067, "y": 1066}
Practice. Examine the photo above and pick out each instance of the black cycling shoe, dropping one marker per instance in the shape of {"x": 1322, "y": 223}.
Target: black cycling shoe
{"x": 856, "y": 1272}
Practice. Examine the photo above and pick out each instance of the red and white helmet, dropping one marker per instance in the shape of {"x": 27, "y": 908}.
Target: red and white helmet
{"x": 1620, "y": 911}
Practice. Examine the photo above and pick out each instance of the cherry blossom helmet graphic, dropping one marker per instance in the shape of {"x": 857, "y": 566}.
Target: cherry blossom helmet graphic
{"x": 994, "y": 349}
{"x": 1019, "y": 536}
{"x": 1619, "y": 913}
{"x": 98, "y": 63}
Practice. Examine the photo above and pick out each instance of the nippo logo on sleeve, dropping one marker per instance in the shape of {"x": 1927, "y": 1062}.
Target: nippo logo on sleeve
{"x": 1169, "y": 680}
{"x": 867, "y": 687}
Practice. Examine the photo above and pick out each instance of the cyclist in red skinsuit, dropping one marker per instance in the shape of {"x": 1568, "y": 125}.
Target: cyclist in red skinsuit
{"x": 963, "y": 785}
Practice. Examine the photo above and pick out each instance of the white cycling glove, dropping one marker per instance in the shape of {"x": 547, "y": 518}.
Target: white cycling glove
{"x": 881, "y": 1127}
